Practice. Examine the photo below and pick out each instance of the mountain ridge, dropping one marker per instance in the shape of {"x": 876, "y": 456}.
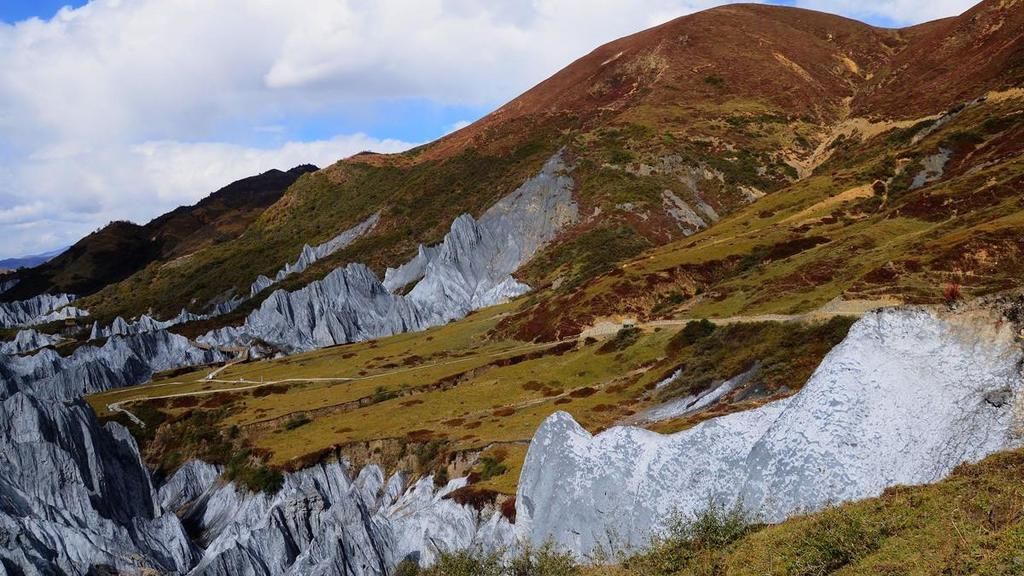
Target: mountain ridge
{"x": 121, "y": 248}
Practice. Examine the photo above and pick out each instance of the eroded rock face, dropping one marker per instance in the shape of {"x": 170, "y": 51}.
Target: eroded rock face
{"x": 74, "y": 495}
{"x": 310, "y": 255}
{"x": 121, "y": 361}
{"x": 471, "y": 269}
{"x": 145, "y": 323}
{"x": 323, "y": 521}
{"x": 903, "y": 399}
{"x": 27, "y": 341}
{"x": 39, "y": 310}
{"x": 8, "y": 283}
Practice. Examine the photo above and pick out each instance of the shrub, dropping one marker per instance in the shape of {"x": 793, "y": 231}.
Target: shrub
{"x": 624, "y": 338}
{"x": 837, "y": 537}
{"x": 530, "y": 561}
{"x": 693, "y": 331}
{"x": 428, "y": 453}
{"x": 472, "y": 562}
{"x": 491, "y": 467}
{"x": 406, "y": 568}
{"x": 714, "y": 80}
{"x": 543, "y": 561}
{"x": 951, "y": 293}
{"x": 383, "y": 395}
{"x": 255, "y": 477}
{"x": 297, "y": 422}
{"x": 692, "y": 543}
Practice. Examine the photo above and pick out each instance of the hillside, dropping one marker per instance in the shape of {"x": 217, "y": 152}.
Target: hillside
{"x": 670, "y": 130}
{"x": 121, "y": 249}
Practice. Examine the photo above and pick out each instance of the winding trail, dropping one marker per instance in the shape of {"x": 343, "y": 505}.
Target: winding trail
{"x": 832, "y": 309}
{"x": 250, "y": 385}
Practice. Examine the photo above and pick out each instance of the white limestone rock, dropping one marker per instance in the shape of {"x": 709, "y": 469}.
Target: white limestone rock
{"x": 144, "y": 324}
{"x": 74, "y": 495}
{"x": 39, "y": 310}
{"x": 28, "y": 341}
{"x": 311, "y": 255}
{"x": 323, "y": 521}
{"x": 906, "y": 397}
{"x": 121, "y": 361}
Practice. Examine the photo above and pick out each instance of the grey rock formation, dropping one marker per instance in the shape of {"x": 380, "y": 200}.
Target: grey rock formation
{"x": 27, "y": 341}
{"x": 144, "y": 324}
{"x": 38, "y": 310}
{"x": 8, "y": 283}
{"x": 471, "y": 269}
{"x": 694, "y": 402}
{"x": 74, "y": 496}
{"x": 693, "y": 213}
{"x": 932, "y": 168}
{"x": 323, "y": 521}
{"x": 903, "y": 399}
{"x": 121, "y": 361}
{"x": 311, "y": 255}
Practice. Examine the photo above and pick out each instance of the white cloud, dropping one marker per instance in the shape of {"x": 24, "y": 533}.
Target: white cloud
{"x": 900, "y": 12}
{"x": 98, "y": 104}
{"x": 458, "y": 126}
{"x": 86, "y": 190}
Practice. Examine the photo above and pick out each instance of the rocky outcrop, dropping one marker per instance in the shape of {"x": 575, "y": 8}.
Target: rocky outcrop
{"x": 144, "y": 324}
{"x": 692, "y": 403}
{"x": 27, "y": 341}
{"x": 121, "y": 361}
{"x": 471, "y": 269}
{"x": 932, "y": 168}
{"x": 8, "y": 283}
{"x": 39, "y": 310}
{"x": 75, "y": 496}
{"x": 907, "y": 396}
{"x": 311, "y": 255}
{"x": 323, "y": 521}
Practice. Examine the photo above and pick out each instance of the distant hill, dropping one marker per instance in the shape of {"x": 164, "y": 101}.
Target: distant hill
{"x": 30, "y": 261}
{"x": 121, "y": 249}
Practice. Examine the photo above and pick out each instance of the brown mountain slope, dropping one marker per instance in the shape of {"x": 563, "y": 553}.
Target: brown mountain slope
{"x": 120, "y": 249}
{"x": 707, "y": 113}
{"x": 791, "y": 59}
{"x": 948, "y": 62}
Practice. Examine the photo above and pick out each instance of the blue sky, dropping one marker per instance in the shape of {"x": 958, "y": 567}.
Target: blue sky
{"x": 15, "y": 10}
{"x": 124, "y": 109}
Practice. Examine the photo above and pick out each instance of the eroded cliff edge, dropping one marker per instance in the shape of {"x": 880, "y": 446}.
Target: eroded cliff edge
{"x": 907, "y": 396}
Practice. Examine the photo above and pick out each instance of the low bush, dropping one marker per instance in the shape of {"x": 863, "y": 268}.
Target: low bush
{"x": 951, "y": 293}
{"x": 530, "y": 561}
{"x": 838, "y": 537}
{"x": 690, "y": 334}
{"x": 692, "y": 544}
{"x": 249, "y": 473}
{"x": 624, "y": 338}
{"x": 296, "y": 422}
{"x": 472, "y": 562}
{"x": 491, "y": 467}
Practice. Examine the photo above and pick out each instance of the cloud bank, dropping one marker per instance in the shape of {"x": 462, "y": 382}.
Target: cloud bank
{"x": 123, "y": 109}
